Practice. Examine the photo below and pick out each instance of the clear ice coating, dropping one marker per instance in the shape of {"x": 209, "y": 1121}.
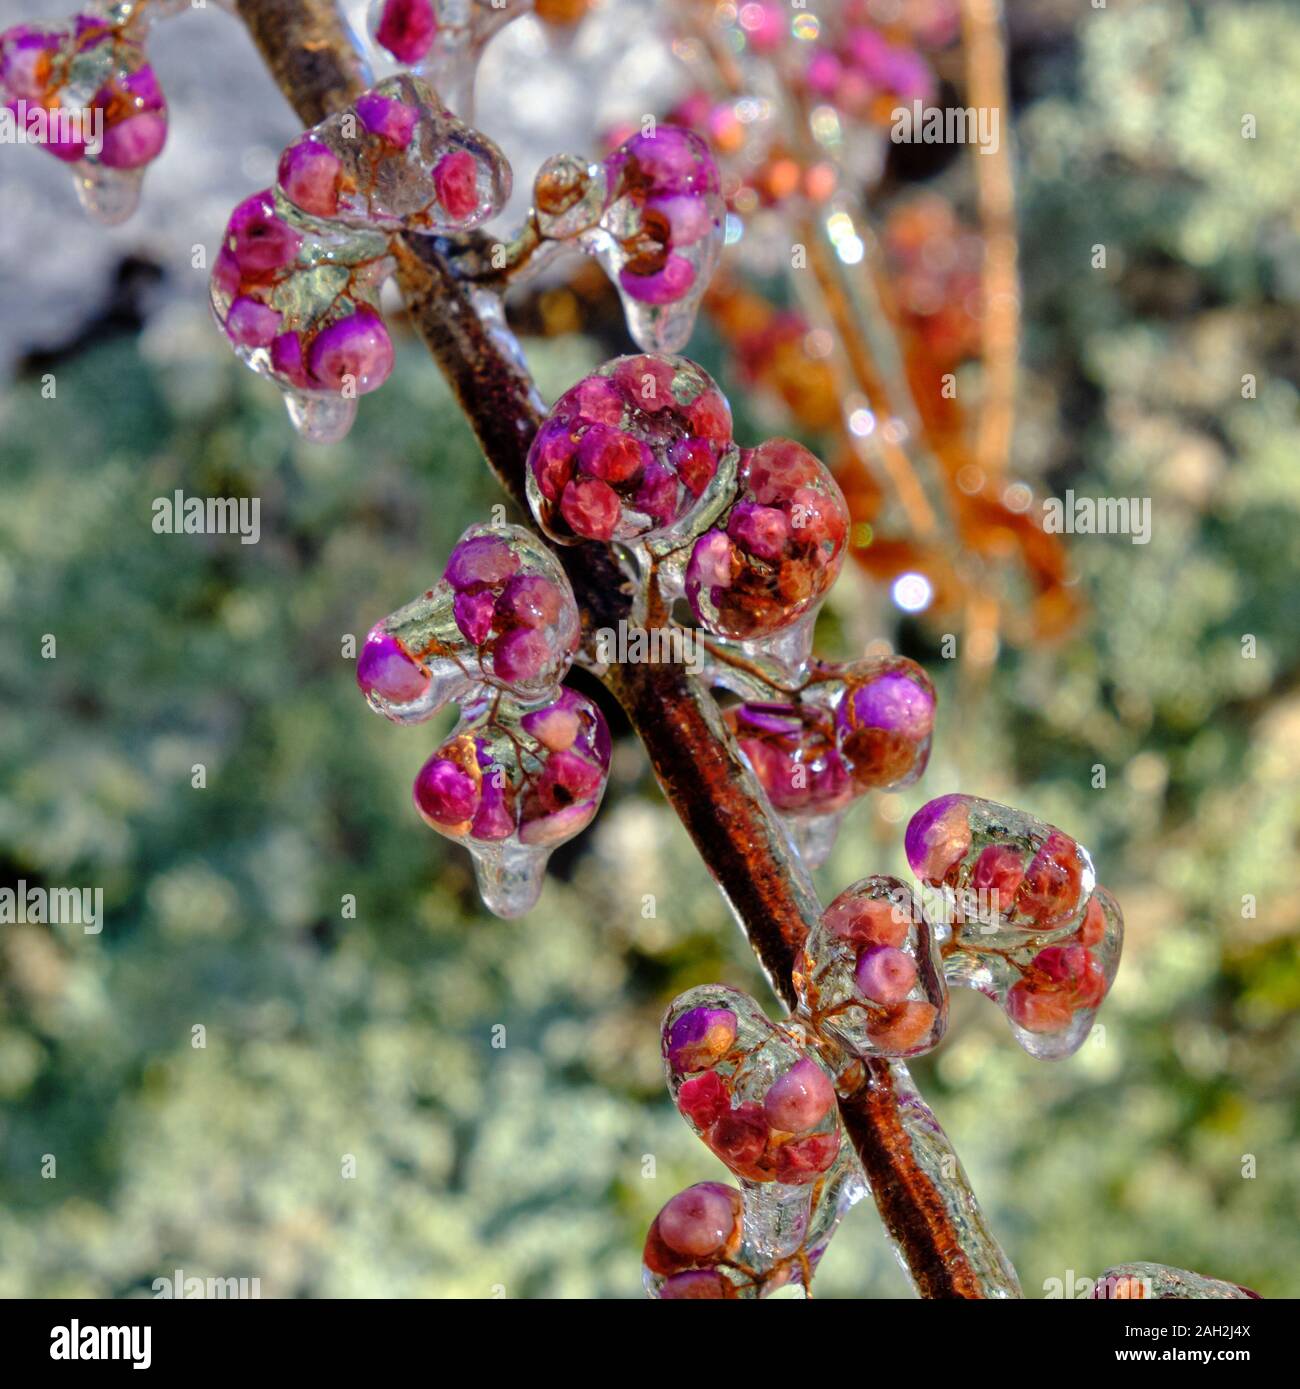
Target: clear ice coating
{"x": 760, "y": 1096}
{"x": 869, "y": 975}
{"x": 639, "y": 451}
{"x": 512, "y": 782}
{"x": 298, "y": 298}
{"x": 652, "y": 215}
{"x": 1158, "y": 1282}
{"x": 503, "y": 613}
{"x": 396, "y": 161}
{"x": 1029, "y": 926}
{"x": 442, "y": 40}
{"x": 85, "y": 92}
{"x": 660, "y": 237}
{"x": 526, "y": 767}
{"x": 775, "y": 554}
{"x": 762, "y": 1101}
{"x": 712, "y": 1241}
{"x": 850, "y": 729}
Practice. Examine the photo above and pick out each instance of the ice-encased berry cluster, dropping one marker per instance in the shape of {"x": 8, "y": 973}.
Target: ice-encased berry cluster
{"x": 853, "y": 728}
{"x": 1025, "y": 921}
{"x": 869, "y": 977}
{"x": 296, "y": 282}
{"x": 526, "y": 766}
{"x": 84, "y": 91}
{"x": 871, "y": 981}
{"x": 762, "y": 1099}
{"x": 652, "y": 215}
{"x": 641, "y": 452}
{"x": 1160, "y": 1283}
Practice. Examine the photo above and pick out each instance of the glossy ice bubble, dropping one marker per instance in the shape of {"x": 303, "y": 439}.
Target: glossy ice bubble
{"x": 442, "y": 40}
{"x": 851, "y": 729}
{"x": 85, "y": 92}
{"x": 869, "y": 975}
{"x": 712, "y": 1241}
{"x": 772, "y": 558}
{"x": 1029, "y": 926}
{"x": 299, "y": 301}
{"x": 758, "y": 1098}
{"x": 395, "y": 161}
{"x": 999, "y": 867}
{"x": 660, "y": 236}
{"x": 1158, "y": 1282}
{"x": 640, "y": 451}
{"x": 511, "y": 783}
{"x": 503, "y": 614}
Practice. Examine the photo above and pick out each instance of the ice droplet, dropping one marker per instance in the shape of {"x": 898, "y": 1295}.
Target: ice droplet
{"x": 110, "y": 196}
{"x": 509, "y": 877}
{"x": 320, "y": 418}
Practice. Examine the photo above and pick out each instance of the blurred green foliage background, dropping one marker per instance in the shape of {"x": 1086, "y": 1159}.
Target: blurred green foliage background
{"x": 523, "y": 1168}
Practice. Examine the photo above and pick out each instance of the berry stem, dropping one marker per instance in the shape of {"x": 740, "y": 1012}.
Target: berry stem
{"x": 928, "y": 1208}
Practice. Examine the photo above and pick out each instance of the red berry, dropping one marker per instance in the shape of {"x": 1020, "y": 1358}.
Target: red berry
{"x": 455, "y": 181}
{"x": 801, "y": 1162}
{"x": 739, "y": 1138}
{"x": 704, "y": 1099}
{"x": 591, "y": 507}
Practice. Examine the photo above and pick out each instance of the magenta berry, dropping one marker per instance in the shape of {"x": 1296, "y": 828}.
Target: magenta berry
{"x": 407, "y": 28}
{"x": 700, "y": 1038}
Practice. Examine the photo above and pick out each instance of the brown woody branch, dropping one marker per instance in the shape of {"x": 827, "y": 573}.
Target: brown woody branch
{"x": 309, "y": 54}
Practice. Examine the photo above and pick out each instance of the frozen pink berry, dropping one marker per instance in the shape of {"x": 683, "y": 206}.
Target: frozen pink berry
{"x": 258, "y": 239}
{"x": 287, "y": 360}
{"x": 699, "y": 1038}
{"x": 591, "y": 507}
{"x": 407, "y": 29}
{"x": 356, "y": 351}
{"x": 455, "y": 181}
{"x": 385, "y": 668}
{"x": 531, "y": 600}
{"x": 611, "y": 454}
{"x": 568, "y": 778}
{"x": 938, "y": 838}
{"x": 704, "y": 1099}
{"x": 309, "y": 176}
{"x": 664, "y": 286}
{"x": 700, "y": 1221}
{"x": 740, "y": 1139}
{"x": 521, "y": 655}
{"x": 885, "y": 974}
{"x": 132, "y": 143}
{"x": 474, "y": 613}
{"x": 445, "y": 794}
{"x": 495, "y": 819}
{"x": 763, "y": 531}
{"x": 483, "y": 559}
{"x": 804, "y": 1161}
{"x": 391, "y": 120}
{"x": 696, "y": 1283}
{"x": 998, "y": 872}
{"x": 251, "y": 323}
{"x": 800, "y": 1099}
